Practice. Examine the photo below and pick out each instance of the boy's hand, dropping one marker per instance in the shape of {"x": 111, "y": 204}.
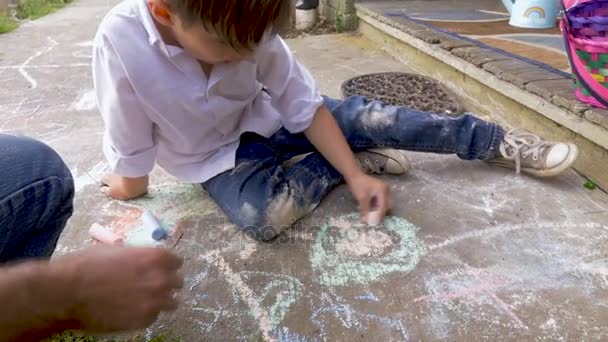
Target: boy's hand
{"x": 372, "y": 194}
{"x": 123, "y": 188}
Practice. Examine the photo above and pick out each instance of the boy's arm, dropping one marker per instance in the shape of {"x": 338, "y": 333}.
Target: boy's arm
{"x": 124, "y": 188}
{"x": 371, "y": 193}
{"x": 295, "y": 96}
{"x": 327, "y": 137}
{"x": 128, "y": 143}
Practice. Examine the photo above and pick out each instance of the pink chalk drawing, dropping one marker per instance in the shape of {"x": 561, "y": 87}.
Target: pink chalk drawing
{"x": 481, "y": 288}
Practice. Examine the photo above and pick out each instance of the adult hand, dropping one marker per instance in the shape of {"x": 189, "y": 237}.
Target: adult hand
{"x": 121, "y": 289}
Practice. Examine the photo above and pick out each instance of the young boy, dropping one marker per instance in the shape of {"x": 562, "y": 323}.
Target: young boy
{"x": 210, "y": 92}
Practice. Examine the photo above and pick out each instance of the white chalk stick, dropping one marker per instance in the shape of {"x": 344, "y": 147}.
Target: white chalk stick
{"x": 104, "y": 235}
{"x": 373, "y": 218}
{"x": 150, "y": 221}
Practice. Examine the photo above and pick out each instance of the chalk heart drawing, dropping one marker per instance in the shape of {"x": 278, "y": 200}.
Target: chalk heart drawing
{"x": 278, "y": 293}
{"x": 267, "y": 296}
{"x": 274, "y": 294}
{"x": 172, "y": 203}
{"x": 346, "y": 251}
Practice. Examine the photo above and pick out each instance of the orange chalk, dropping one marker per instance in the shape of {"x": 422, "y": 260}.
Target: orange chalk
{"x": 104, "y": 235}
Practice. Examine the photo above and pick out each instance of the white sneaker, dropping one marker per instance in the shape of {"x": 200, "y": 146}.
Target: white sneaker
{"x": 383, "y": 161}
{"x": 527, "y": 152}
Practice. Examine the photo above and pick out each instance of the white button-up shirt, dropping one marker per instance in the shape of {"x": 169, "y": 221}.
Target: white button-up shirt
{"x": 159, "y": 106}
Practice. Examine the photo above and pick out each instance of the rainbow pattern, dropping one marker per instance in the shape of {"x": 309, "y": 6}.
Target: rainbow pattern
{"x": 535, "y": 11}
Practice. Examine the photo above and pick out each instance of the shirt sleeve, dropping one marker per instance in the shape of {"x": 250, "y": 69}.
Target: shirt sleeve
{"x": 128, "y": 143}
{"x": 291, "y": 86}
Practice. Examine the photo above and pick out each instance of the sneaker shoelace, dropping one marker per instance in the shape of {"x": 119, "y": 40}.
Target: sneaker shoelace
{"x": 370, "y": 166}
{"x": 519, "y": 143}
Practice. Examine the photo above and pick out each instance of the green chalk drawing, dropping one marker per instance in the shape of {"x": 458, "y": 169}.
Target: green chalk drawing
{"x": 273, "y": 294}
{"x": 175, "y": 202}
{"x": 278, "y": 295}
{"x": 334, "y": 269}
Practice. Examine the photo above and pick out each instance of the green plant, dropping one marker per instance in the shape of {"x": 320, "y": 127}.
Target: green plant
{"x": 34, "y": 9}
{"x": 71, "y": 337}
{"x": 30, "y": 9}
{"x": 339, "y": 22}
{"x": 590, "y": 185}
{"x": 7, "y": 24}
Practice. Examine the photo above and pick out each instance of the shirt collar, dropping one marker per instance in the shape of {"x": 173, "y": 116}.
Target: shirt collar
{"x": 154, "y": 37}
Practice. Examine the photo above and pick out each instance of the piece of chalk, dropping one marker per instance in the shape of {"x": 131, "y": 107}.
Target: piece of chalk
{"x": 373, "y": 218}
{"x": 104, "y": 235}
{"x": 159, "y": 234}
{"x": 149, "y": 220}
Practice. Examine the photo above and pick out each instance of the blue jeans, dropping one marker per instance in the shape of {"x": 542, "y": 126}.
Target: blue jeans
{"x": 36, "y": 192}
{"x": 263, "y": 196}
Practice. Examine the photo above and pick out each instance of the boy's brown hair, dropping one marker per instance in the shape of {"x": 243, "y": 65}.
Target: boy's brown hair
{"x": 241, "y": 23}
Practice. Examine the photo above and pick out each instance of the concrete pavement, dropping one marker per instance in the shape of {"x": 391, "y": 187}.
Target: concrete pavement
{"x": 470, "y": 253}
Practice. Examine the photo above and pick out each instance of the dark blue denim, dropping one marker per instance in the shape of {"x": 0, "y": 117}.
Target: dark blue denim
{"x": 263, "y": 196}
{"x": 36, "y": 194}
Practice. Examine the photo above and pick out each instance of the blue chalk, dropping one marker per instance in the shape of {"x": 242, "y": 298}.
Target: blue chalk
{"x": 159, "y": 234}
{"x": 151, "y": 222}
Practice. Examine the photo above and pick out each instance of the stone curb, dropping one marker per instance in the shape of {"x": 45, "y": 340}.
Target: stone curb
{"x": 552, "y": 86}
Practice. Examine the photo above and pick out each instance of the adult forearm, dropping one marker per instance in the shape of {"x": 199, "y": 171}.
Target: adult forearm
{"x": 33, "y": 302}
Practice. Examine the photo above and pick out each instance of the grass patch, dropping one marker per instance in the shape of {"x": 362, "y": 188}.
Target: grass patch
{"x": 29, "y": 9}
{"x": 7, "y": 24}
{"x": 71, "y": 337}
{"x": 34, "y": 9}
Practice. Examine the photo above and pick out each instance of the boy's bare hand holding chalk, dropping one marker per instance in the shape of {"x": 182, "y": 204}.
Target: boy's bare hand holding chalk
{"x": 373, "y": 196}
{"x": 371, "y": 193}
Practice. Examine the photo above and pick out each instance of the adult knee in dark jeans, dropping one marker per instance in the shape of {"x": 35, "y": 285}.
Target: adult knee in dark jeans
{"x": 25, "y": 160}
{"x": 36, "y": 198}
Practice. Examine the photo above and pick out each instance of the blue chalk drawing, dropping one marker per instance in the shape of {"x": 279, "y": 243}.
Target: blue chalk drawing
{"x": 350, "y": 318}
{"x": 282, "y": 334}
{"x": 370, "y": 297}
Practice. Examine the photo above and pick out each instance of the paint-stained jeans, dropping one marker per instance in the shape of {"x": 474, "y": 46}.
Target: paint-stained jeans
{"x": 36, "y": 191}
{"x": 264, "y": 197}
